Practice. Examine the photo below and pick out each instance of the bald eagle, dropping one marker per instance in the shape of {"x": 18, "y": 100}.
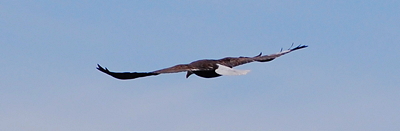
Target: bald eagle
{"x": 206, "y": 68}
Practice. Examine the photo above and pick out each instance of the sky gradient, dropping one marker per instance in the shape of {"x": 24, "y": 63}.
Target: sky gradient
{"x": 346, "y": 80}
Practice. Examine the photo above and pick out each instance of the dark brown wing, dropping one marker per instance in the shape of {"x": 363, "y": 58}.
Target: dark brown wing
{"x": 236, "y": 61}
{"x": 270, "y": 57}
{"x": 125, "y": 75}
{"x": 175, "y": 69}
{"x": 133, "y": 75}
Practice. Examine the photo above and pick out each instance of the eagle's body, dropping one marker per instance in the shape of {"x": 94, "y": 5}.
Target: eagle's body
{"x": 204, "y": 68}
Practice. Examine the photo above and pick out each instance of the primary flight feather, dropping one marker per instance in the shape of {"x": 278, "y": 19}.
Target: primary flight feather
{"x": 206, "y": 68}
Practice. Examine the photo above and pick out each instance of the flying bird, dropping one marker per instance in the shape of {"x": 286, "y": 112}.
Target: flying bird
{"x": 206, "y": 68}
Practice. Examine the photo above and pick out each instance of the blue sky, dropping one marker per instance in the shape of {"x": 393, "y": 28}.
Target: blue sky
{"x": 347, "y": 79}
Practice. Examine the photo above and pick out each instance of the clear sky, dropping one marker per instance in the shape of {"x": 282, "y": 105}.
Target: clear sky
{"x": 346, "y": 80}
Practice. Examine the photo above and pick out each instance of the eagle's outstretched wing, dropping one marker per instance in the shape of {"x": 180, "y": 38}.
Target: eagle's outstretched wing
{"x": 125, "y": 75}
{"x": 236, "y": 61}
{"x": 133, "y": 75}
{"x": 177, "y": 68}
{"x": 270, "y": 57}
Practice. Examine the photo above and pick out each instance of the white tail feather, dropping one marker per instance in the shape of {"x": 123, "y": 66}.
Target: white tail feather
{"x": 224, "y": 70}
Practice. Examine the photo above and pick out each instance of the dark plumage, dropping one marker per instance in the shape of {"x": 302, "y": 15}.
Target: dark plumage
{"x": 204, "y": 68}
